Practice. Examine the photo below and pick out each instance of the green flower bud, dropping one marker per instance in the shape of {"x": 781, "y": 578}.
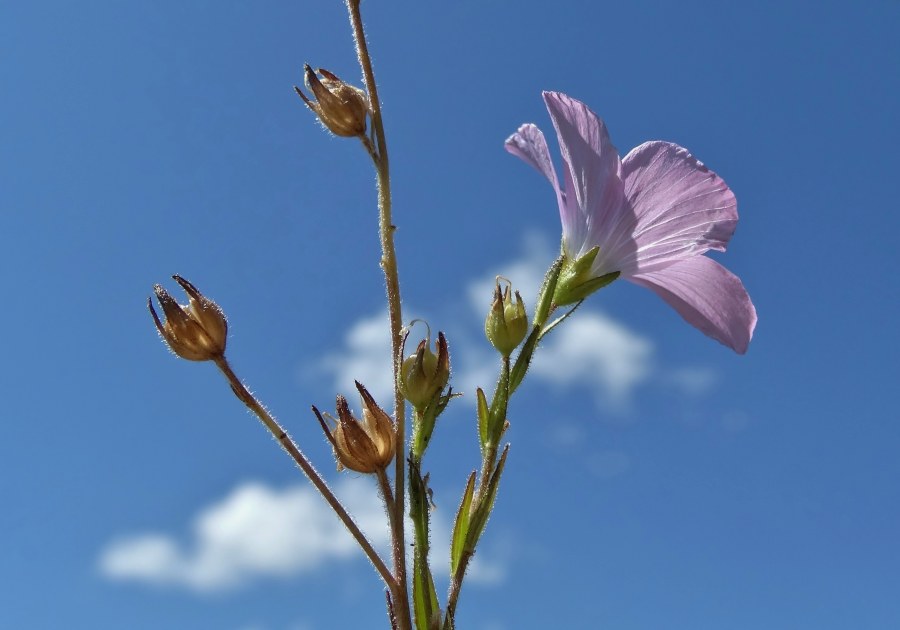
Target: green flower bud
{"x": 507, "y": 323}
{"x": 424, "y": 375}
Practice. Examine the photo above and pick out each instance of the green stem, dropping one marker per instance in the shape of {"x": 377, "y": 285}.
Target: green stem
{"x": 392, "y": 285}
{"x": 299, "y": 458}
{"x": 488, "y": 464}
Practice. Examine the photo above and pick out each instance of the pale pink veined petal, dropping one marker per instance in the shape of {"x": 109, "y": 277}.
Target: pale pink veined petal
{"x": 707, "y": 296}
{"x": 529, "y": 144}
{"x": 594, "y": 190}
{"x": 682, "y": 209}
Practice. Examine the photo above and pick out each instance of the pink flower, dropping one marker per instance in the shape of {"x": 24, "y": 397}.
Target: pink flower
{"x": 648, "y": 218}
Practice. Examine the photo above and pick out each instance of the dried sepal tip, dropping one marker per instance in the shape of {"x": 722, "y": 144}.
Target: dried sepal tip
{"x": 196, "y": 331}
{"x": 341, "y": 107}
{"x": 363, "y": 445}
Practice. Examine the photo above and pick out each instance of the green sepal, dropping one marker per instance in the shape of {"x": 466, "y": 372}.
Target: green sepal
{"x": 580, "y": 292}
{"x": 480, "y": 517}
{"x": 461, "y": 527}
{"x": 484, "y": 416}
{"x": 583, "y": 264}
{"x": 576, "y": 280}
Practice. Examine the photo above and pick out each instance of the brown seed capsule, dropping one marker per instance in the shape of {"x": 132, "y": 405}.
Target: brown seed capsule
{"x": 341, "y": 107}
{"x": 365, "y": 446}
{"x": 196, "y": 331}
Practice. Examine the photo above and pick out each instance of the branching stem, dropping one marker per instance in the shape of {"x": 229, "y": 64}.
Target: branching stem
{"x": 293, "y": 450}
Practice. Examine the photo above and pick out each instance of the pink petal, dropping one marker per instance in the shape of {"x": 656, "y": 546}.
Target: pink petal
{"x": 707, "y": 296}
{"x": 529, "y": 144}
{"x": 682, "y": 208}
{"x": 594, "y": 190}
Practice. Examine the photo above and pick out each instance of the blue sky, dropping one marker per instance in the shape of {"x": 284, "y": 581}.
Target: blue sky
{"x": 656, "y": 480}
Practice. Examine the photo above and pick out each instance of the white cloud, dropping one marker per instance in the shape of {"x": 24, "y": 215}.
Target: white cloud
{"x": 254, "y": 531}
{"x": 257, "y": 531}
{"x": 594, "y": 351}
{"x": 366, "y": 357}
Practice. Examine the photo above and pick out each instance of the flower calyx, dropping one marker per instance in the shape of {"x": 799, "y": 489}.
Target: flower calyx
{"x": 424, "y": 374}
{"x": 507, "y": 323}
{"x": 341, "y": 107}
{"x": 364, "y": 446}
{"x": 197, "y": 331}
{"x": 577, "y": 280}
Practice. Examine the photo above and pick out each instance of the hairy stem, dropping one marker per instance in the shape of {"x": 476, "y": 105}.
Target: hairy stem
{"x": 299, "y": 458}
{"x": 384, "y": 485}
{"x": 392, "y": 284}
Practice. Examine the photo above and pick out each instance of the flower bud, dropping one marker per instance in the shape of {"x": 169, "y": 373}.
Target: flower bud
{"x": 365, "y": 446}
{"x": 424, "y": 375}
{"x": 196, "y": 331}
{"x": 341, "y": 107}
{"x": 507, "y": 323}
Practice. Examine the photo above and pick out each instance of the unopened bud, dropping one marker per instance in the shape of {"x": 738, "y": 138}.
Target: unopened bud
{"x": 365, "y": 446}
{"x": 196, "y": 331}
{"x": 507, "y": 323}
{"x": 341, "y": 107}
{"x": 424, "y": 375}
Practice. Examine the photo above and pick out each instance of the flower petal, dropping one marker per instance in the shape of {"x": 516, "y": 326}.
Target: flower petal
{"x": 708, "y": 297}
{"x": 529, "y": 144}
{"x": 682, "y": 208}
{"x": 593, "y": 184}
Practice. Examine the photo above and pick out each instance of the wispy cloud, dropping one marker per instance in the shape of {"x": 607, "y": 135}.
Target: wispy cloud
{"x": 254, "y": 531}
{"x": 258, "y": 531}
{"x": 365, "y": 357}
{"x": 595, "y": 352}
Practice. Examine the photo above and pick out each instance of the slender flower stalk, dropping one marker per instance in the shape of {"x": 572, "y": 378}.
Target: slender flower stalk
{"x": 303, "y": 463}
{"x": 392, "y": 285}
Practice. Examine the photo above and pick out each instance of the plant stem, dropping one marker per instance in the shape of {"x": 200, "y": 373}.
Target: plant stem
{"x": 392, "y": 285}
{"x": 488, "y": 466}
{"x": 384, "y": 486}
{"x": 293, "y": 450}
